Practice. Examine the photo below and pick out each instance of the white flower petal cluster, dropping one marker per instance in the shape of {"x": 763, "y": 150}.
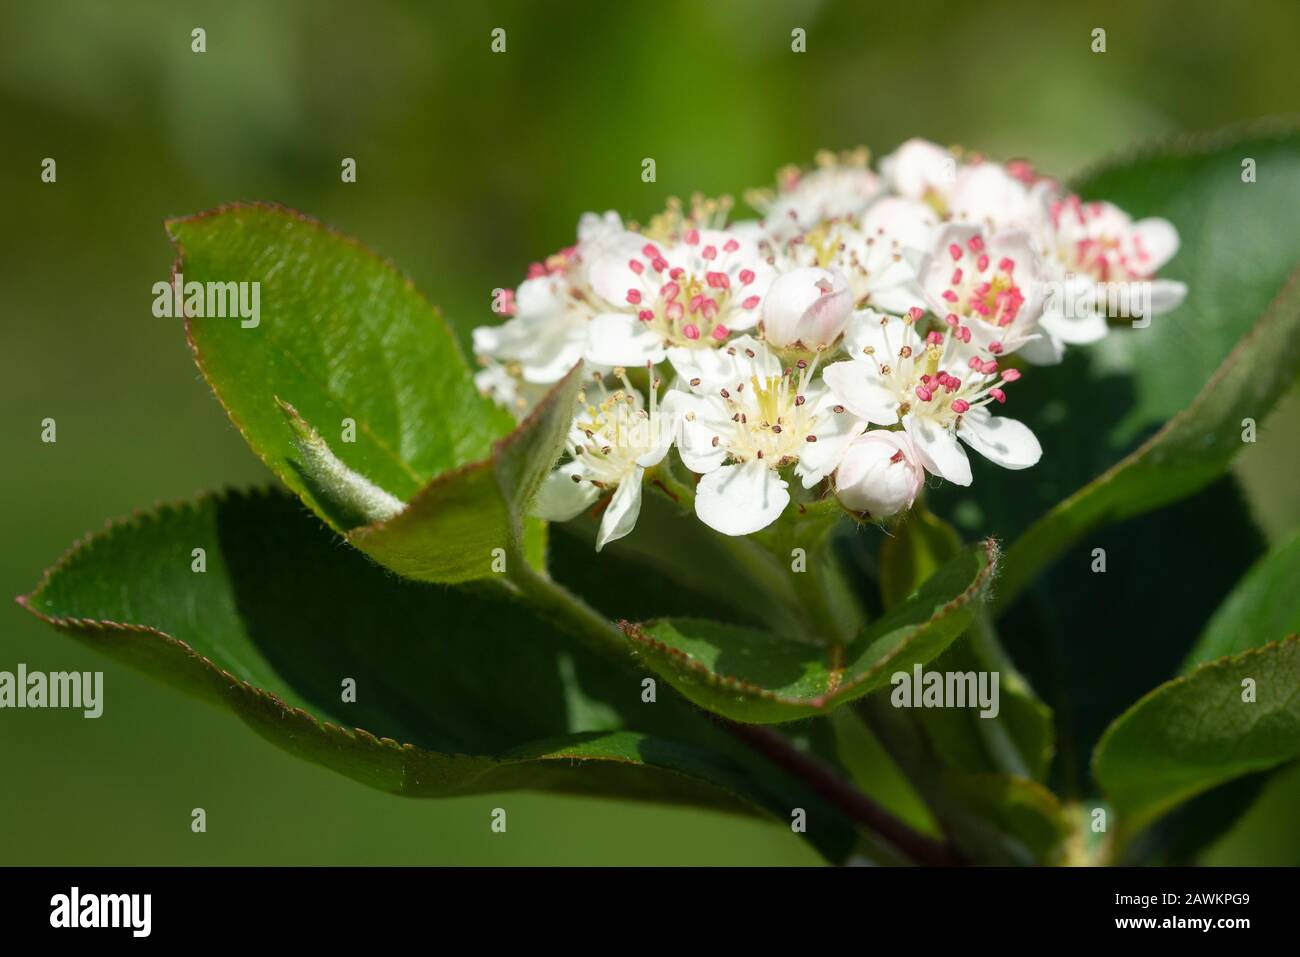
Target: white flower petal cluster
{"x": 855, "y": 339}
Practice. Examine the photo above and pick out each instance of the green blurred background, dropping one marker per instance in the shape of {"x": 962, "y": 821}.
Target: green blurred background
{"x": 470, "y": 165}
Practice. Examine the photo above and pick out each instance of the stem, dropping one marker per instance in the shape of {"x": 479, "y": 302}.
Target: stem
{"x": 560, "y": 606}
{"x": 825, "y": 781}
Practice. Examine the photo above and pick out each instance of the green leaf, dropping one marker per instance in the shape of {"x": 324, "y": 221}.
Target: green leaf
{"x": 341, "y": 335}
{"x": 755, "y": 676}
{"x": 1005, "y": 819}
{"x": 465, "y": 523}
{"x": 1019, "y": 739}
{"x": 1196, "y": 731}
{"x": 1239, "y": 243}
{"x": 1264, "y": 607}
{"x": 1188, "y": 453}
{"x": 915, "y": 549}
{"x": 457, "y": 691}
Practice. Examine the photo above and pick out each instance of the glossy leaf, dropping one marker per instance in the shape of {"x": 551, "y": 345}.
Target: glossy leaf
{"x": 341, "y": 336}
{"x": 756, "y": 676}
{"x": 1225, "y": 356}
{"x": 456, "y": 691}
{"x": 1193, "y": 448}
{"x": 468, "y": 523}
{"x": 1264, "y": 607}
{"x": 1201, "y": 730}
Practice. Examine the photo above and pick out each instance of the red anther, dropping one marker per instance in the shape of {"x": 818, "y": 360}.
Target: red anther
{"x": 998, "y": 394}
{"x": 956, "y": 277}
{"x": 934, "y": 338}
{"x": 645, "y": 315}
{"x": 951, "y": 319}
{"x": 718, "y": 280}
{"x": 634, "y": 296}
{"x": 670, "y": 290}
{"x": 960, "y": 405}
{"x": 746, "y": 276}
{"x": 982, "y": 264}
{"x": 636, "y": 266}
{"x": 730, "y": 246}
{"x": 1007, "y": 264}
{"x": 709, "y": 252}
{"x": 676, "y": 272}
{"x": 750, "y": 303}
{"x": 976, "y": 363}
{"x": 995, "y": 348}
{"x": 536, "y": 271}
{"x": 1011, "y": 375}
{"x": 949, "y": 296}
{"x": 924, "y": 394}
{"x": 697, "y": 300}
{"x": 692, "y": 237}
{"x": 720, "y": 332}
{"x": 691, "y": 331}
{"x": 955, "y": 252}
{"x": 963, "y": 333}
{"x": 896, "y": 457}
{"x": 975, "y": 244}
{"x": 709, "y": 307}
{"x": 674, "y": 311}
{"x": 650, "y": 251}
{"x": 659, "y": 263}
{"x": 915, "y": 313}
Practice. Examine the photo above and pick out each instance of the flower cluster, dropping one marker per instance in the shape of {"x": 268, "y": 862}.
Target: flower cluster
{"x": 853, "y": 339}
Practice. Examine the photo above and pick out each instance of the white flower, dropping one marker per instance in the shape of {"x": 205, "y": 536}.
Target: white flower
{"x": 938, "y": 385}
{"x": 921, "y": 170}
{"x": 807, "y": 308}
{"x": 993, "y": 286}
{"x": 877, "y": 253}
{"x": 688, "y": 295}
{"x": 989, "y": 195}
{"x": 839, "y": 187}
{"x": 880, "y": 474}
{"x": 1098, "y": 245}
{"x": 610, "y": 445}
{"x": 504, "y": 385}
{"x": 547, "y": 330}
{"x": 739, "y": 435}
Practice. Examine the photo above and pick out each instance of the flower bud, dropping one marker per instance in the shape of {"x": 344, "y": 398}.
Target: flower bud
{"x": 880, "y": 474}
{"x": 808, "y": 307}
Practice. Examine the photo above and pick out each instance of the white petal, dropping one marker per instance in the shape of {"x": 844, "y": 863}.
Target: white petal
{"x": 938, "y": 449}
{"x": 807, "y": 305}
{"x": 665, "y": 428}
{"x": 1043, "y": 349}
{"x": 560, "y": 498}
{"x": 858, "y": 386}
{"x": 1166, "y": 295}
{"x": 1158, "y": 239}
{"x": 611, "y": 277}
{"x": 621, "y": 339}
{"x": 621, "y": 514}
{"x": 1003, "y": 441}
{"x": 700, "y": 426}
{"x": 835, "y": 431}
{"x": 740, "y": 499}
